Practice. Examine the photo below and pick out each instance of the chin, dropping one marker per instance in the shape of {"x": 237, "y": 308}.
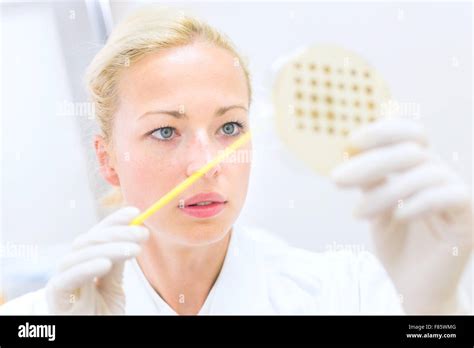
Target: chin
{"x": 200, "y": 234}
{"x": 190, "y": 231}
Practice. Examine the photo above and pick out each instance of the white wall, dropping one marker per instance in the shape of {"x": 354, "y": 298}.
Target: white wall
{"x": 46, "y": 199}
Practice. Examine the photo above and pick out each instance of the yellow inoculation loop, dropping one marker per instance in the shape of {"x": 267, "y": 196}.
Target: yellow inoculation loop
{"x": 191, "y": 180}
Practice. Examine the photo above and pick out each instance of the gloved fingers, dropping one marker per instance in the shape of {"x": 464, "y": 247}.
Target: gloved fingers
{"x": 122, "y": 216}
{"x": 136, "y": 234}
{"x": 371, "y": 185}
{"x": 402, "y": 186}
{"x": 111, "y": 283}
{"x": 386, "y": 132}
{"x": 375, "y": 164}
{"x": 116, "y": 251}
{"x": 436, "y": 199}
{"x": 77, "y": 276}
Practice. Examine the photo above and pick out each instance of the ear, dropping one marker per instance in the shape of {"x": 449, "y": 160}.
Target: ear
{"x": 107, "y": 165}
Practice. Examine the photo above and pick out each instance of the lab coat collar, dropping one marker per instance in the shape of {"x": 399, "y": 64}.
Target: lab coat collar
{"x": 240, "y": 288}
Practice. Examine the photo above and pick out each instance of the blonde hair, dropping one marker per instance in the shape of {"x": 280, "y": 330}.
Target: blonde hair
{"x": 148, "y": 30}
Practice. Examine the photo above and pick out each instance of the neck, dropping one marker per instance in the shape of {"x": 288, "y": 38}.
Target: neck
{"x": 182, "y": 275}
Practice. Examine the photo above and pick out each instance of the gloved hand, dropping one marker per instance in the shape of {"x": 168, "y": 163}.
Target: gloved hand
{"x": 419, "y": 210}
{"x": 89, "y": 279}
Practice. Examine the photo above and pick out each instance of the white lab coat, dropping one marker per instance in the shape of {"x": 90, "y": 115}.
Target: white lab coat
{"x": 263, "y": 275}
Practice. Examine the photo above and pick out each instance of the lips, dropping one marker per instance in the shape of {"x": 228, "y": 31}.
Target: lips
{"x": 212, "y": 197}
{"x": 204, "y": 205}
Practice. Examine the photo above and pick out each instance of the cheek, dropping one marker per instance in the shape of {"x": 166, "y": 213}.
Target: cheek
{"x": 145, "y": 177}
{"x": 237, "y": 177}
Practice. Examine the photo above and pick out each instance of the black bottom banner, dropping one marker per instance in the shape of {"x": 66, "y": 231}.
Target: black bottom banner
{"x": 453, "y": 331}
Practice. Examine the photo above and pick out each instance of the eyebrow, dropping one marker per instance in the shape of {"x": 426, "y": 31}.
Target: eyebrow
{"x": 175, "y": 113}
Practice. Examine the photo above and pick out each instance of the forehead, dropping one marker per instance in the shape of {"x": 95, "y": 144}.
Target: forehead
{"x": 190, "y": 74}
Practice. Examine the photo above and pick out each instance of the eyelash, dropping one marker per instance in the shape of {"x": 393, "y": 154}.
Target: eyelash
{"x": 241, "y": 125}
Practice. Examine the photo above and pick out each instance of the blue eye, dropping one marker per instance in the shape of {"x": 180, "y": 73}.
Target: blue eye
{"x": 230, "y": 128}
{"x": 163, "y": 133}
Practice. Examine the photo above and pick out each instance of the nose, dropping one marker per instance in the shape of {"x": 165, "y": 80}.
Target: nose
{"x": 200, "y": 153}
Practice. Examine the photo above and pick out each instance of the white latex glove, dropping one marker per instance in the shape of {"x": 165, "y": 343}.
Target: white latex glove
{"x": 419, "y": 210}
{"x": 89, "y": 279}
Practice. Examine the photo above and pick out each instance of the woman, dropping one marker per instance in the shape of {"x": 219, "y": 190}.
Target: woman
{"x": 170, "y": 92}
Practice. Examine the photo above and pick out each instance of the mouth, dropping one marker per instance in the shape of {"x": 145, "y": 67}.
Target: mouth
{"x": 203, "y": 205}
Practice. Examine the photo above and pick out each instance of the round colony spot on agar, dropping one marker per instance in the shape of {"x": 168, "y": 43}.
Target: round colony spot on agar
{"x": 357, "y": 103}
{"x": 300, "y": 126}
{"x": 297, "y": 80}
{"x": 312, "y": 66}
{"x": 357, "y": 119}
{"x": 314, "y": 113}
{"x": 299, "y": 112}
{"x": 328, "y": 84}
{"x": 371, "y": 118}
{"x": 330, "y": 115}
{"x": 341, "y": 86}
{"x": 370, "y": 105}
{"x": 314, "y": 82}
{"x": 330, "y": 130}
{"x": 299, "y": 95}
{"x": 355, "y": 88}
{"x": 353, "y": 72}
{"x": 297, "y": 65}
{"x": 344, "y": 132}
{"x": 343, "y": 102}
{"x": 344, "y": 117}
{"x": 314, "y": 97}
{"x": 327, "y": 69}
{"x": 316, "y": 128}
{"x": 368, "y": 90}
{"x": 366, "y": 74}
{"x": 329, "y": 99}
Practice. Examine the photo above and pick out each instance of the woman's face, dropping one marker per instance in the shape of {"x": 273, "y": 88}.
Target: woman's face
{"x": 178, "y": 109}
